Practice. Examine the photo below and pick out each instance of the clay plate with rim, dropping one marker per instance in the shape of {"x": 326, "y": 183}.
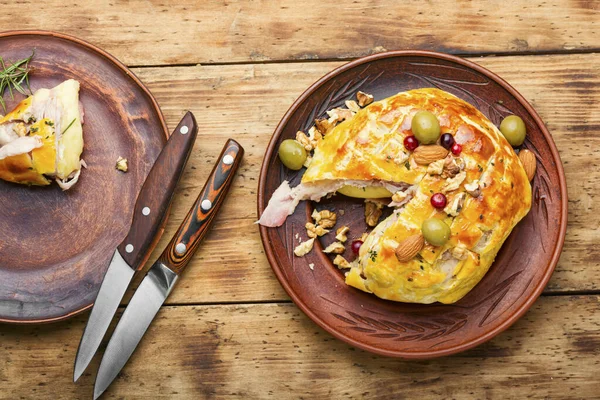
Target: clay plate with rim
{"x": 515, "y": 280}
{"x": 55, "y": 246}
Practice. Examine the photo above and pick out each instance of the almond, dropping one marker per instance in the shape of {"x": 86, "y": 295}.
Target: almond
{"x": 529, "y": 163}
{"x": 425, "y": 155}
{"x": 409, "y": 247}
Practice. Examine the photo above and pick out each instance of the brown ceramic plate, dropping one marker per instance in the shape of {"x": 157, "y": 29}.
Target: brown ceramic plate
{"x": 517, "y": 277}
{"x": 55, "y": 246}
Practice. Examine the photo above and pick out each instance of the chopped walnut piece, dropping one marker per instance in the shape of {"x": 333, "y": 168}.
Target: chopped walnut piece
{"x": 307, "y": 161}
{"x": 364, "y": 236}
{"x": 310, "y": 141}
{"x": 364, "y": 99}
{"x": 453, "y": 208}
{"x": 436, "y": 167}
{"x": 373, "y": 211}
{"x": 340, "y": 234}
{"x": 316, "y": 216}
{"x": 454, "y": 183}
{"x": 339, "y": 114}
{"x": 473, "y": 188}
{"x": 352, "y": 105}
{"x": 304, "y": 248}
{"x": 452, "y": 166}
{"x": 325, "y": 218}
{"x": 122, "y": 164}
{"x": 459, "y": 252}
{"x": 399, "y": 196}
{"x": 341, "y": 262}
{"x": 324, "y": 125}
{"x": 313, "y": 230}
{"x": 341, "y": 212}
{"x": 304, "y": 140}
{"x": 335, "y": 248}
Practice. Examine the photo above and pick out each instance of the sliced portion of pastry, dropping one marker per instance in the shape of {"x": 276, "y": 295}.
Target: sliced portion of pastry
{"x": 42, "y": 138}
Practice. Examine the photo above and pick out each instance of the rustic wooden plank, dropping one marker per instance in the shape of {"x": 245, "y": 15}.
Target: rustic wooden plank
{"x": 273, "y": 350}
{"x": 167, "y": 32}
{"x": 247, "y": 101}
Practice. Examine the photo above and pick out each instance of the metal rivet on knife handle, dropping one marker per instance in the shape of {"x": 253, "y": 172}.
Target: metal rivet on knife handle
{"x": 198, "y": 220}
{"x": 228, "y": 160}
{"x": 184, "y": 129}
{"x": 129, "y": 248}
{"x": 206, "y": 205}
{"x": 180, "y": 249}
{"x": 146, "y": 211}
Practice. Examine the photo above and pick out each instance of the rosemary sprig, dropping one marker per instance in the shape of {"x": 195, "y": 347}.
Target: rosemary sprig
{"x": 67, "y": 128}
{"x": 13, "y": 76}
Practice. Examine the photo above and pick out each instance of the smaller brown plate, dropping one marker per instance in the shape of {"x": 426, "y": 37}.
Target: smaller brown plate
{"x": 515, "y": 280}
{"x": 55, "y": 246}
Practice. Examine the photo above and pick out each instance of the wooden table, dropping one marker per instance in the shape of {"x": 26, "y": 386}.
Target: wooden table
{"x": 229, "y": 330}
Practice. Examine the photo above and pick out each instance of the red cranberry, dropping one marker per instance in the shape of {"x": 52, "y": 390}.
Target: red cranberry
{"x": 356, "y": 246}
{"x": 447, "y": 140}
{"x": 411, "y": 143}
{"x": 456, "y": 149}
{"x": 438, "y": 200}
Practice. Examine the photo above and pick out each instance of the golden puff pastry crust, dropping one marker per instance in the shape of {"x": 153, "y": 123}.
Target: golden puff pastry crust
{"x": 486, "y": 186}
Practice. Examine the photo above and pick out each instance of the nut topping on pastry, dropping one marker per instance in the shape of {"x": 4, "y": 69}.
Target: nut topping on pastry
{"x": 425, "y": 155}
{"x": 454, "y": 183}
{"x": 364, "y": 99}
{"x": 473, "y": 188}
{"x": 352, "y": 106}
{"x": 455, "y": 205}
{"x": 436, "y": 167}
{"x": 373, "y": 211}
{"x": 409, "y": 247}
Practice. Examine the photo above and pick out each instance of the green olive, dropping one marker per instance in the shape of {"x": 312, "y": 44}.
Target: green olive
{"x": 292, "y": 154}
{"x": 513, "y": 129}
{"x": 426, "y": 127}
{"x": 435, "y": 231}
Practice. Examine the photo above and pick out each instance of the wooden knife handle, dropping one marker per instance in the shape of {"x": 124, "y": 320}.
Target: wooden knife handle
{"x": 157, "y": 192}
{"x": 194, "y": 227}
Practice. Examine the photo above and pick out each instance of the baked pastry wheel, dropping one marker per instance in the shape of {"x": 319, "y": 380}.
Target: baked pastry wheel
{"x": 42, "y": 138}
{"x": 457, "y": 187}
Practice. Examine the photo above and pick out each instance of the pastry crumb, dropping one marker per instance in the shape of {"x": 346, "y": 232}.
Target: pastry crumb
{"x": 311, "y": 266}
{"x": 122, "y": 164}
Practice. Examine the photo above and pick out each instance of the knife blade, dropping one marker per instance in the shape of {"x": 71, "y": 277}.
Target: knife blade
{"x": 164, "y": 273}
{"x": 149, "y": 213}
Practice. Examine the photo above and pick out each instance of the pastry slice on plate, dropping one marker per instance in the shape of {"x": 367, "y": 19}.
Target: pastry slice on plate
{"x": 457, "y": 187}
{"x": 41, "y": 140}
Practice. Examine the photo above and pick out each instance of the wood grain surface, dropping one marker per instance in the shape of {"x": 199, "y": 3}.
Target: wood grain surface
{"x": 263, "y": 56}
{"x": 157, "y": 32}
{"x": 274, "y": 351}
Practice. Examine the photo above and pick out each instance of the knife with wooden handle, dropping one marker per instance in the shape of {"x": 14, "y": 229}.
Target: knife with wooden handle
{"x": 149, "y": 213}
{"x": 163, "y": 275}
